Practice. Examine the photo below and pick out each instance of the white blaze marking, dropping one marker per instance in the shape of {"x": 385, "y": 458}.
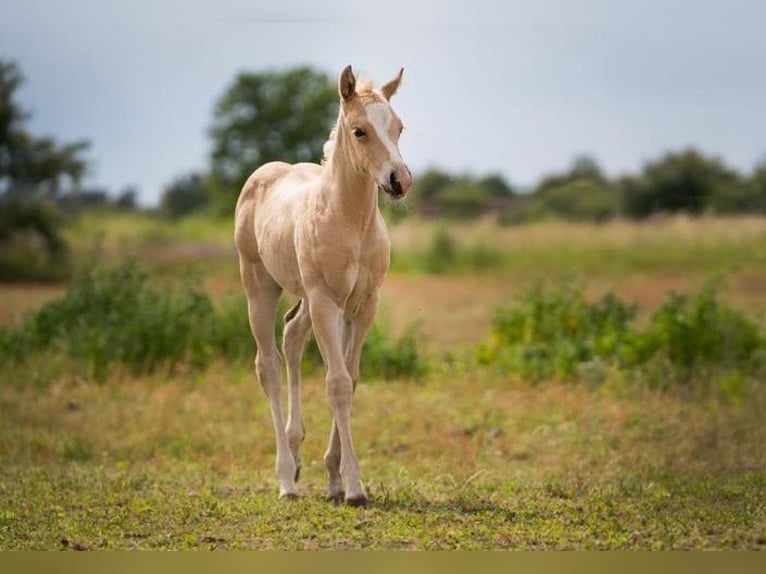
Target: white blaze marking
{"x": 380, "y": 117}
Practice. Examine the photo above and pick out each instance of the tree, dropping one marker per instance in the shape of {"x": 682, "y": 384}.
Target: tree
{"x": 757, "y": 186}
{"x": 437, "y": 193}
{"x": 685, "y": 181}
{"x": 184, "y": 195}
{"x": 266, "y": 116}
{"x": 581, "y": 193}
{"x": 496, "y": 186}
{"x": 29, "y": 163}
{"x": 33, "y": 171}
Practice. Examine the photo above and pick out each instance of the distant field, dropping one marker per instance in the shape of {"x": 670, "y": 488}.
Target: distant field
{"x": 678, "y": 244}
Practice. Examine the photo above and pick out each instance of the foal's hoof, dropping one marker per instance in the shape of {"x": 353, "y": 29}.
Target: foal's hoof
{"x": 358, "y": 501}
{"x": 290, "y": 496}
{"x": 336, "y": 498}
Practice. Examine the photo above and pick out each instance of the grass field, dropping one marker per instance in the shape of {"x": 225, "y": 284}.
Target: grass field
{"x": 465, "y": 458}
{"x": 457, "y": 462}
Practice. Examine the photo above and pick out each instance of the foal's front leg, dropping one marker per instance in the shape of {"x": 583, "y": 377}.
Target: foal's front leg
{"x": 326, "y": 318}
{"x": 353, "y": 340}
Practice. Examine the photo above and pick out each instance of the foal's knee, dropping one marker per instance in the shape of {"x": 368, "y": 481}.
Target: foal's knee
{"x": 340, "y": 390}
{"x": 267, "y": 368}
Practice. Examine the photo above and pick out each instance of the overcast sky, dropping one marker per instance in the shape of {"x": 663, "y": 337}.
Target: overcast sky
{"x": 519, "y": 88}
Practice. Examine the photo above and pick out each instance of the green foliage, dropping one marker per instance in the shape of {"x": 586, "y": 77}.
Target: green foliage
{"x": 118, "y": 319}
{"x": 686, "y": 181}
{"x": 31, "y": 246}
{"x": 582, "y": 193}
{"x": 677, "y": 182}
{"x": 698, "y": 335}
{"x": 274, "y": 115}
{"x": 557, "y": 333}
{"x": 185, "y": 195}
{"x": 551, "y": 333}
{"x": 437, "y": 193}
{"x": 115, "y": 317}
{"x": 33, "y": 171}
{"x": 388, "y": 358}
{"x": 28, "y": 163}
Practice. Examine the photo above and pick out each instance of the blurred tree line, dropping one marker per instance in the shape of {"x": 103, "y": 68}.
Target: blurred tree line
{"x": 287, "y": 115}
{"x": 685, "y": 181}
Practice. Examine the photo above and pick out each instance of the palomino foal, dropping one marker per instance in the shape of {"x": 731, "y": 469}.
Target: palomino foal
{"x": 316, "y": 231}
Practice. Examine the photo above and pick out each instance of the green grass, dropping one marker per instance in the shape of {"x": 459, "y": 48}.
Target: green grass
{"x": 459, "y": 462}
{"x": 96, "y": 508}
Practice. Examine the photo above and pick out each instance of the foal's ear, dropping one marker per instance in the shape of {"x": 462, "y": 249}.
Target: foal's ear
{"x": 347, "y": 83}
{"x": 390, "y": 88}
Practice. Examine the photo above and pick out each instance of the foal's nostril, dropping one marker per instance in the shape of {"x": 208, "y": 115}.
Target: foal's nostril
{"x": 396, "y": 187}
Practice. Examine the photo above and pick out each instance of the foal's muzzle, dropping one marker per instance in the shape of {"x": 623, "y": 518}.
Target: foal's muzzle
{"x": 399, "y": 182}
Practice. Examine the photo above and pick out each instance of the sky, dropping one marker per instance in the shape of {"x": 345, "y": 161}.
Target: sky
{"x": 519, "y": 88}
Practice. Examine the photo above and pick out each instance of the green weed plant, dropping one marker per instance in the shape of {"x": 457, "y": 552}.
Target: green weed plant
{"x": 694, "y": 340}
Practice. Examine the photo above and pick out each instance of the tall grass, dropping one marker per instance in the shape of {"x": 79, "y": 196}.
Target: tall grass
{"x": 702, "y": 245}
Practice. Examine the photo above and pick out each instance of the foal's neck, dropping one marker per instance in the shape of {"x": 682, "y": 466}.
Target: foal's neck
{"x": 351, "y": 194}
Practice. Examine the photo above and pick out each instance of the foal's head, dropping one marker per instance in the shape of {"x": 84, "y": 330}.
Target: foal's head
{"x": 372, "y": 130}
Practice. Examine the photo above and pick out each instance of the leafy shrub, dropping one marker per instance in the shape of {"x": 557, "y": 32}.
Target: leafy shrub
{"x": 699, "y": 335}
{"x": 114, "y": 316}
{"x": 387, "y": 358}
{"x": 551, "y": 333}
{"x": 556, "y": 333}
{"x": 118, "y": 318}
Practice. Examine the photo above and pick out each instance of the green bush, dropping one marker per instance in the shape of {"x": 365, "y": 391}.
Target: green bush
{"x": 698, "y": 335}
{"x": 551, "y": 333}
{"x": 693, "y": 340}
{"x": 116, "y": 318}
{"x": 388, "y": 358}
{"x": 112, "y": 317}
{"x": 31, "y": 246}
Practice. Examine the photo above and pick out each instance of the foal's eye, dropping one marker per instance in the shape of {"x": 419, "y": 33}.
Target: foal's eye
{"x": 358, "y": 132}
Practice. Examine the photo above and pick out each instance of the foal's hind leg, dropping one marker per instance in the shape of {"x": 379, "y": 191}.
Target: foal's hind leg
{"x": 262, "y": 296}
{"x": 297, "y": 326}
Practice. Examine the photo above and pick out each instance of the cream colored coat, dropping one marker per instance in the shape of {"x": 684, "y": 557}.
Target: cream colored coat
{"x": 316, "y": 231}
